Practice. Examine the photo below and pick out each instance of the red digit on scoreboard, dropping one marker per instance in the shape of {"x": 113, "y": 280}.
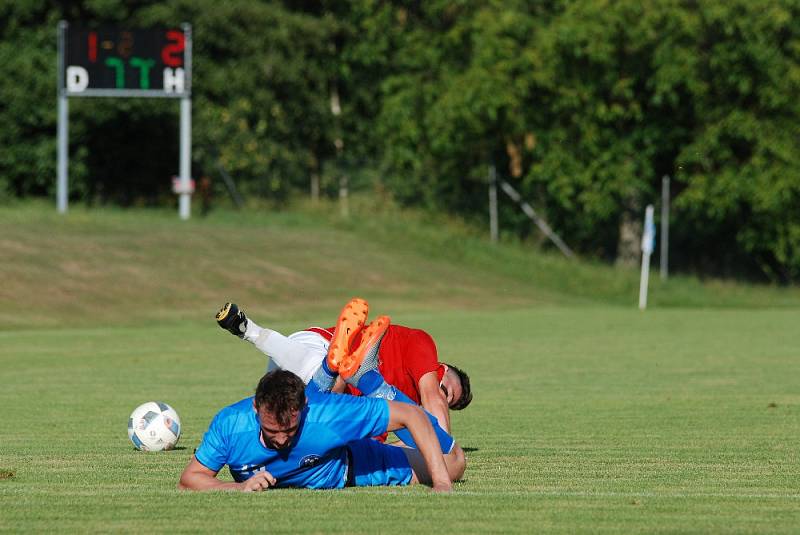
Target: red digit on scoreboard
{"x": 93, "y": 47}
{"x": 172, "y": 53}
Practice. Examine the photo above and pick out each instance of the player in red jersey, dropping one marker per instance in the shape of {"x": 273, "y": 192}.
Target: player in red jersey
{"x": 407, "y": 359}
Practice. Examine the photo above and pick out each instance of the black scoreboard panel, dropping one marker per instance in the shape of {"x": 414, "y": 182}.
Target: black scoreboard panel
{"x": 108, "y": 59}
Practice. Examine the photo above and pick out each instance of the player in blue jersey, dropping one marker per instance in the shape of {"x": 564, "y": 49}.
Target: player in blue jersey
{"x": 280, "y": 438}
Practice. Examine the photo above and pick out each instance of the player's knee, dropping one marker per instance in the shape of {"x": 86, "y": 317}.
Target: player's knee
{"x": 456, "y": 463}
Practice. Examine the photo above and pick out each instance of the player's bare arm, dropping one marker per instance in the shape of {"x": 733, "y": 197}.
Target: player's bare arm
{"x": 198, "y": 477}
{"x": 412, "y": 418}
{"x": 433, "y": 399}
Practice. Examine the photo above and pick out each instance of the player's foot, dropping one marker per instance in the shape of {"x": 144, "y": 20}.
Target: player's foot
{"x": 351, "y": 322}
{"x": 364, "y": 357}
{"x": 232, "y": 319}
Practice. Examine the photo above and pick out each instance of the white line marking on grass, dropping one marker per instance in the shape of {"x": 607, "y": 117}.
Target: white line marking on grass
{"x": 592, "y": 494}
{"x": 611, "y": 494}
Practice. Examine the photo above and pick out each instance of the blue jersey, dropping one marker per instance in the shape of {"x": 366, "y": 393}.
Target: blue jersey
{"x": 317, "y": 457}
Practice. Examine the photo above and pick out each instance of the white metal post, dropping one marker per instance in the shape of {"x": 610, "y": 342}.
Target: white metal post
{"x": 63, "y": 147}
{"x": 62, "y": 182}
{"x": 185, "y": 200}
{"x": 185, "y": 163}
{"x": 648, "y": 236}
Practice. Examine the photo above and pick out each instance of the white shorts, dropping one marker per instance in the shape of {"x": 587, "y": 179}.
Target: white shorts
{"x": 300, "y": 353}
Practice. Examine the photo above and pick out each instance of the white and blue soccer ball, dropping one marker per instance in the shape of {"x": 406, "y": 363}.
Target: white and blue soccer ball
{"x": 154, "y": 426}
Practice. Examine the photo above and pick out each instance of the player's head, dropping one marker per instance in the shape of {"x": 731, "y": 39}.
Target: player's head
{"x": 280, "y": 396}
{"x": 455, "y": 385}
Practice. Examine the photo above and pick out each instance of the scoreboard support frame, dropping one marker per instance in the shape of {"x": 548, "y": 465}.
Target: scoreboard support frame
{"x": 185, "y": 95}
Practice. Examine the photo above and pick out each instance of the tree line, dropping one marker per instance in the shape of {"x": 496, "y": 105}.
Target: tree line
{"x": 583, "y": 106}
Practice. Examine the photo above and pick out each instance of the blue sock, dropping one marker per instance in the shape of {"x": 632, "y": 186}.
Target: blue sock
{"x": 323, "y": 378}
{"x": 373, "y": 385}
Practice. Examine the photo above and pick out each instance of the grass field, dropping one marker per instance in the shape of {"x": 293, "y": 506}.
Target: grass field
{"x": 588, "y": 416}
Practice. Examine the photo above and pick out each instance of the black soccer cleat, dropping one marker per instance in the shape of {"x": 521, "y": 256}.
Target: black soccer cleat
{"x": 232, "y": 319}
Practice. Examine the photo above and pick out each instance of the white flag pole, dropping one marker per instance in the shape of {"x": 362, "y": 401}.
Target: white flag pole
{"x": 648, "y": 239}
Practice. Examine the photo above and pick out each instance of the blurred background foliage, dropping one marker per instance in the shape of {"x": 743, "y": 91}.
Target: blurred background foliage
{"x": 582, "y": 105}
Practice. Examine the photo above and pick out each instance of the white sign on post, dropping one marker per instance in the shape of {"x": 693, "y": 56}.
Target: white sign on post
{"x": 648, "y": 241}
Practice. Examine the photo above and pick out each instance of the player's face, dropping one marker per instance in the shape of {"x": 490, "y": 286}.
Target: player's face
{"x": 451, "y": 386}
{"x": 275, "y": 435}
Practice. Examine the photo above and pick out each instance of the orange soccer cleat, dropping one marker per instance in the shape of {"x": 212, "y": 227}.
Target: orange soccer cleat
{"x": 364, "y": 357}
{"x": 351, "y": 322}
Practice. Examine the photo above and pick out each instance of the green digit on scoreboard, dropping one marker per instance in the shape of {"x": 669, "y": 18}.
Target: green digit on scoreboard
{"x": 119, "y": 68}
{"x": 144, "y": 66}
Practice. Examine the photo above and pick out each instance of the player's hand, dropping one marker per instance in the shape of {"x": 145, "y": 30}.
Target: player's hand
{"x": 260, "y": 481}
{"x": 444, "y": 486}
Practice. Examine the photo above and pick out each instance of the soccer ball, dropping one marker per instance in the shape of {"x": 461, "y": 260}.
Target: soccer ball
{"x": 154, "y": 426}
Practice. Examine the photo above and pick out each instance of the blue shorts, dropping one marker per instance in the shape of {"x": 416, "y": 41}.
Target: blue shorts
{"x": 376, "y": 464}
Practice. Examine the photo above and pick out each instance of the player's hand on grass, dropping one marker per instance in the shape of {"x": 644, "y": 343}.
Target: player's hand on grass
{"x": 260, "y": 481}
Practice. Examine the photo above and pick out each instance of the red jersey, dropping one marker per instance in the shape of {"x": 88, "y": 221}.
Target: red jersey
{"x": 405, "y": 356}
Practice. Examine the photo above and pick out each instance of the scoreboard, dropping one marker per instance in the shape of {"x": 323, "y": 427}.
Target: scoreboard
{"x": 124, "y": 62}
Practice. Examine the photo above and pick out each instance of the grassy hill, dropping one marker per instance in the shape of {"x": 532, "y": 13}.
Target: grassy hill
{"x": 141, "y": 266}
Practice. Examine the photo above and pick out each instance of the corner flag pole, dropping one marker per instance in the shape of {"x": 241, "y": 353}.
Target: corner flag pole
{"x": 648, "y": 237}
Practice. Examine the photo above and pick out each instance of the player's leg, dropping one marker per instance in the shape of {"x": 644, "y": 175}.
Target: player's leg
{"x": 374, "y": 464}
{"x": 455, "y": 461}
{"x": 349, "y": 324}
{"x": 300, "y": 353}
{"x": 286, "y": 354}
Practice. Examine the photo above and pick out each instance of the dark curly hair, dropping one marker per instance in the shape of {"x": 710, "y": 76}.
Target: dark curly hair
{"x": 281, "y": 393}
{"x": 466, "y": 393}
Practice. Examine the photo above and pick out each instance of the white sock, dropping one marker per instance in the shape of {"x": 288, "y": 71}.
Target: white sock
{"x": 253, "y": 331}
